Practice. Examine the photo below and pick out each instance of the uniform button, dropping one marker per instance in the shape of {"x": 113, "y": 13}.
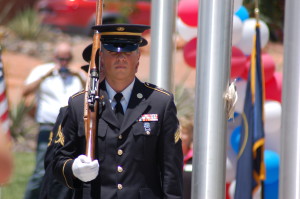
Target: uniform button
{"x": 120, "y": 169}
{"x": 148, "y": 132}
{"x": 120, "y": 186}
{"x": 120, "y": 152}
{"x": 120, "y": 137}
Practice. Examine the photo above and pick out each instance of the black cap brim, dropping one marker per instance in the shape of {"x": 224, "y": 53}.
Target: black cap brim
{"x": 123, "y": 45}
{"x": 87, "y": 53}
{"x": 85, "y": 68}
{"x": 120, "y": 48}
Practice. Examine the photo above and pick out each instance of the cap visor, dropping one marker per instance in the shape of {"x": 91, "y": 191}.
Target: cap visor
{"x": 120, "y": 48}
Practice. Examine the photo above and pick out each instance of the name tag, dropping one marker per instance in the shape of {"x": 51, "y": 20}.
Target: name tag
{"x": 148, "y": 118}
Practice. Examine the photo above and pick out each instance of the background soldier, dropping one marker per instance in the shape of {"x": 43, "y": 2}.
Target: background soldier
{"x": 52, "y": 83}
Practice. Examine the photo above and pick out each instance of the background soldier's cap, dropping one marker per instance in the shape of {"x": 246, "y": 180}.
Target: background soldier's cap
{"x": 85, "y": 68}
{"x": 87, "y": 53}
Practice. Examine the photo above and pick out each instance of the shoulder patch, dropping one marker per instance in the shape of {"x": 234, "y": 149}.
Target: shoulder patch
{"x": 60, "y": 137}
{"x": 152, "y": 86}
{"x": 177, "y": 136}
{"x": 78, "y": 93}
{"x": 50, "y": 138}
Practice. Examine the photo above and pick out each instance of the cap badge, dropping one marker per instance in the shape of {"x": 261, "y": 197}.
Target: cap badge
{"x": 120, "y": 29}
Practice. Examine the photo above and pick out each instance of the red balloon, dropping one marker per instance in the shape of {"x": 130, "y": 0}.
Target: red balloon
{"x": 273, "y": 87}
{"x": 238, "y": 62}
{"x": 189, "y": 52}
{"x": 227, "y": 196}
{"x": 244, "y": 74}
{"x": 268, "y": 64}
{"x": 188, "y": 12}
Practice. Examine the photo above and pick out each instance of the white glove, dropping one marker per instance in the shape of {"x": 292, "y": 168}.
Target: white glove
{"x": 85, "y": 169}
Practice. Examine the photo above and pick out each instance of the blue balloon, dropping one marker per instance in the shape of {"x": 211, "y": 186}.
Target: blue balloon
{"x": 271, "y": 190}
{"x": 242, "y": 13}
{"x": 235, "y": 139}
{"x": 271, "y": 160}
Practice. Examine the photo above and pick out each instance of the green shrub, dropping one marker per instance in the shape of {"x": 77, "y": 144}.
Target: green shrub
{"x": 27, "y": 25}
{"x": 20, "y": 124}
{"x": 184, "y": 100}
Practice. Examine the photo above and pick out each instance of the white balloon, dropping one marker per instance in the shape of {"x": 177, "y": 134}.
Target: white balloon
{"x": 241, "y": 86}
{"x": 272, "y": 125}
{"x": 237, "y": 4}
{"x": 237, "y": 29}
{"x": 272, "y": 141}
{"x": 272, "y": 111}
{"x": 230, "y": 170}
{"x": 232, "y": 189}
{"x": 246, "y": 41}
{"x": 185, "y": 31}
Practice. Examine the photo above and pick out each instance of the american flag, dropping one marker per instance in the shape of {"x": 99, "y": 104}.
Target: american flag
{"x": 4, "y": 114}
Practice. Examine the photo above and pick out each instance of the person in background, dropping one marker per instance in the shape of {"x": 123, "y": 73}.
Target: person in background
{"x": 51, "y": 188}
{"x": 52, "y": 83}
{"x": 187, "y": 128}
{"x": 138, "y": 152}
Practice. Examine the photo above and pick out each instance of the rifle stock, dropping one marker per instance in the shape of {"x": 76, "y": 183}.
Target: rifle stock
{"x": 91, "y": 100}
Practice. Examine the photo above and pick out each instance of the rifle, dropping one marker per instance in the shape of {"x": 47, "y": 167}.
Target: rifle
{"x": 91, "y": 100}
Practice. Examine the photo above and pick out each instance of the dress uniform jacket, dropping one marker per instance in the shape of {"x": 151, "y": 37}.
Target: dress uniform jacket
{"x": 139, "y": 159}
{"x": 50, "y": 187}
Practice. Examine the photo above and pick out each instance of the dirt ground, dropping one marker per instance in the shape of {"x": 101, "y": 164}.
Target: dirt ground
{"x": 18, "y": 66}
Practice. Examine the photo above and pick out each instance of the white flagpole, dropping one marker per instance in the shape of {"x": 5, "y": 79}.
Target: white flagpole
{"x": 290, "y": 122}
{"x": 163, "y": 23}
{"x": 212, "y": 79}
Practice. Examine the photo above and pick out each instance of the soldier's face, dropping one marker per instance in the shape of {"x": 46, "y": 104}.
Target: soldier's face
{"x": 120, "y": 66}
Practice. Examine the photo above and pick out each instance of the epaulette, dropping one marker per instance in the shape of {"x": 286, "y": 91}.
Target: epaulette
{"x": 152, "y": 86}
{"x": 78, "y": 93}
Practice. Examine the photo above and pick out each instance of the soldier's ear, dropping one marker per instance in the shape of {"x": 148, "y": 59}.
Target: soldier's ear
{"x": 137, "y": 66}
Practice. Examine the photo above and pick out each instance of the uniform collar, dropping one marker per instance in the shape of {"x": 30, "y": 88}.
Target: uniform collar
{"x": 126, "y": 92}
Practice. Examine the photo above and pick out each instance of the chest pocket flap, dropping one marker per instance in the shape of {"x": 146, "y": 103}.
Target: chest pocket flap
{"x": 102, "y": 128}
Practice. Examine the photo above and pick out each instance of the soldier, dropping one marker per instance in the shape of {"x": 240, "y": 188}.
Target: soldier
{"x": 50, "y": 187}
{"x": 138, "y": 146}
{"x": 52, "y": 83}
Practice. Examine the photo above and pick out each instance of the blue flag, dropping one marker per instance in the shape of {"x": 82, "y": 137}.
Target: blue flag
{"x": 250, "y": 167}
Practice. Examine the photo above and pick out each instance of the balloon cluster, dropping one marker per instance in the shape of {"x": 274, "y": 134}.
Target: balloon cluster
{"x": 242, "y": 39}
